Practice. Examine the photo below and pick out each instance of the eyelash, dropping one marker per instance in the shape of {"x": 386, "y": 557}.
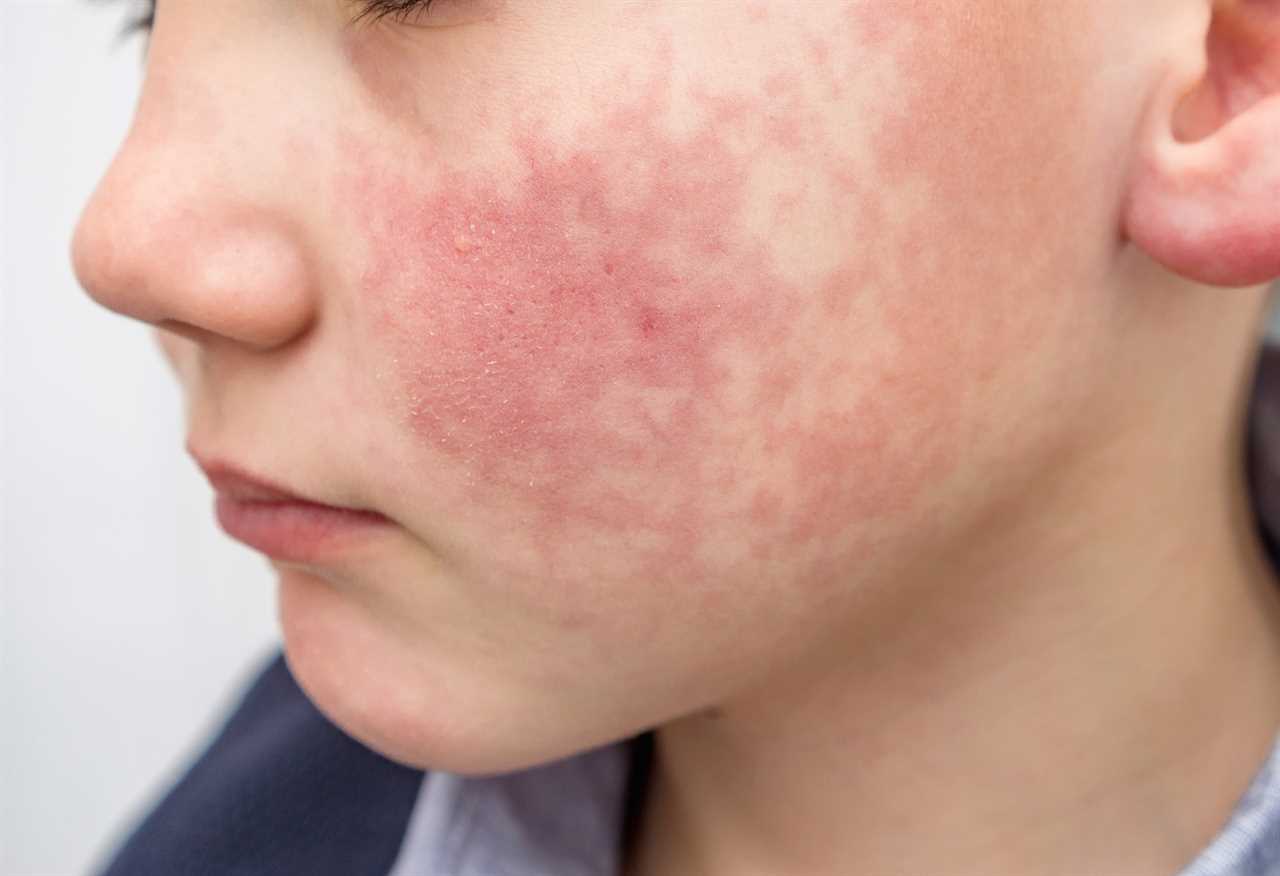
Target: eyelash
{"x": 396, "y": 10}
{"x": 373, "y": 10}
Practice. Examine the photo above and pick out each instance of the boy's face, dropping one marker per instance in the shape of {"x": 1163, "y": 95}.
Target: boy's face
{"x": 664, "y": 331}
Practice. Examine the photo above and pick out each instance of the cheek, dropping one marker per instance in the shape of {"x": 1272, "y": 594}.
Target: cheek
{"x": 601, "y": 347}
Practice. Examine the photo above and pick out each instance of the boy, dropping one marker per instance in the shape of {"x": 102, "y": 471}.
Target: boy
{"x": 852, "y": 393}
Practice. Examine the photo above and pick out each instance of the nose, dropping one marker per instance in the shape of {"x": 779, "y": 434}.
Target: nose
{"x": 190, "y": 230}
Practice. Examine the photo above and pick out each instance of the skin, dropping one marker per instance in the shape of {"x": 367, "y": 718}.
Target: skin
{"x": 804, "y": 380}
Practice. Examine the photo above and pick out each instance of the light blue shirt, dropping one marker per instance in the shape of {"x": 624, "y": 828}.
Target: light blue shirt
{"x": 1249, "y": 845}
{"x": 558, "y": 819}
{"x": 561, "y": 819}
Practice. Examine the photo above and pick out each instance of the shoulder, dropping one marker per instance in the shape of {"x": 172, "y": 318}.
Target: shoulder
{"x": 279, "y": 788}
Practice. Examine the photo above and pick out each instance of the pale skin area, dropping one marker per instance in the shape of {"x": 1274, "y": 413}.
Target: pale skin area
{"x": 852, "y": 390}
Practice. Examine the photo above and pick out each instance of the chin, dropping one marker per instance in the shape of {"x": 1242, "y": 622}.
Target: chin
{"x": 391, "y": 700}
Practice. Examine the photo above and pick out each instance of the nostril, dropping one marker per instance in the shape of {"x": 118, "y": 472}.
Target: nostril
{"x": 224, "y": 273}
{"x": 187, "y": 330}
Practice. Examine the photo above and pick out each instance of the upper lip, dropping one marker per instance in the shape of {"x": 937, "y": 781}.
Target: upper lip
{"x": 235, "y": 482}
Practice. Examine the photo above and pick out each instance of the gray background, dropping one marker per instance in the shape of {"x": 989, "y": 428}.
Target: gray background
{"x": 127, "y": 620}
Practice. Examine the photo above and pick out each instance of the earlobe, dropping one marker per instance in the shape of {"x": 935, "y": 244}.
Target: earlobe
{"x": 1204, "y": 193}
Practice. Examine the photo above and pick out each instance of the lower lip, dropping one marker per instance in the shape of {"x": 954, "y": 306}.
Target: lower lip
{"x": 296, "y": 532}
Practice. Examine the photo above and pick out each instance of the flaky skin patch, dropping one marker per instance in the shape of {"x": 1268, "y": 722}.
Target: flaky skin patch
{"x": 612, "y": 340}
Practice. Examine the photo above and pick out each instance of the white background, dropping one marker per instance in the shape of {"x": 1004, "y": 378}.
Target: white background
{"x": 127, "y": 620}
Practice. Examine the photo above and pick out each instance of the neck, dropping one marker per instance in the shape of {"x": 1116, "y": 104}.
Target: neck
{"x": 1088, "y": 689}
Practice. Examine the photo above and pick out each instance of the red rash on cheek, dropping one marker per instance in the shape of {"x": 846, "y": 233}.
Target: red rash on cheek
{"x": 596, "y": 338}
{"x": 559, "y": 338}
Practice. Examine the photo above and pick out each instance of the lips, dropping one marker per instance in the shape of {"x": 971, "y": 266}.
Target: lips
{"x": 237, "y": 485}
{"x": 282, "y": 524}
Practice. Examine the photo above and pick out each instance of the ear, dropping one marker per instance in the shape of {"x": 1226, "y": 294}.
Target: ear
{"x": 1204, "y": 195}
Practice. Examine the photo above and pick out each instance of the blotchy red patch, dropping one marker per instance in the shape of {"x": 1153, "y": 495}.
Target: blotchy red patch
{"x": 596, "y": 342}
